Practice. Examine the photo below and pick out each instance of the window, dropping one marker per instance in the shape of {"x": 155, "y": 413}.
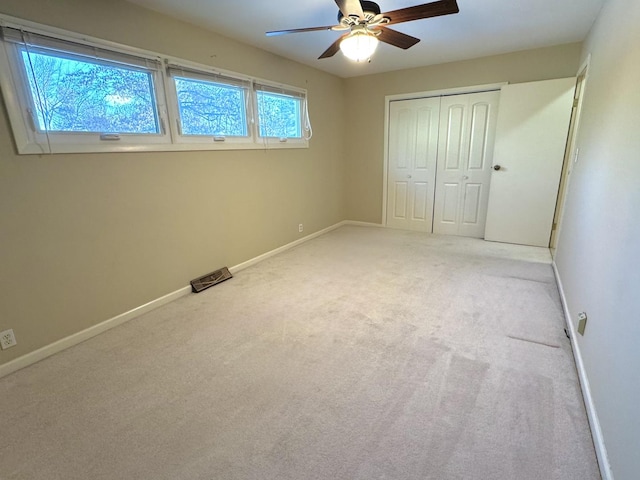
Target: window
{"x": 65, "y": 93}
{"x": 74, "y": 94}
{"x": 280, "y": 113}
{"x": 73, "y": 97}
{"x": 210, "y": 107}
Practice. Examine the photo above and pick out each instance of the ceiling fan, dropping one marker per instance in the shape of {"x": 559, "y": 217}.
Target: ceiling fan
{"x": 365, "y": 25}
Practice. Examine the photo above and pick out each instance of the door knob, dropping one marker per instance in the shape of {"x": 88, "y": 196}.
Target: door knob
{"x": 408, "y": 176}
{"x": 497, "y": 167}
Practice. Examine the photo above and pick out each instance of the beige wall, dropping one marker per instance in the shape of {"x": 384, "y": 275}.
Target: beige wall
{"x": 598, "y": 253}
{"x": 85, "y": 237}
{"x": 366, "y": 103}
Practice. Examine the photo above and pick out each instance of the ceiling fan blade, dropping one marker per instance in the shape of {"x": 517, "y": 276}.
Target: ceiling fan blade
{"x": 427, "y": 10}
{"x": 397, "y": 39}
{"x": 297, "y": 30}
{"x": 332, "y": 50}
{"x": 350, "y": 7}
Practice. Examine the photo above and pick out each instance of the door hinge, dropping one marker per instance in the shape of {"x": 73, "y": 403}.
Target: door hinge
{"x": 575, "y": 102}
{"x": 554, "y": 226}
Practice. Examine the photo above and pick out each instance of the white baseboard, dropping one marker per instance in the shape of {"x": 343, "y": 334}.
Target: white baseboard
{"x": 592, "y": 414}
{"x": 295, "y": 243}
{"x": 283, "y": 248}
{"x": 363, "y": 224}
{"x": 71, "y": 340}
{"x": 81, "y": 336}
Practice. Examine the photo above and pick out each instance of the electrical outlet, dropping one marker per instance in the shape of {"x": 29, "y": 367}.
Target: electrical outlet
{"x": 300, "y": 228}
{"x": 7, "y": 339}
{"x": 582, "y": 322}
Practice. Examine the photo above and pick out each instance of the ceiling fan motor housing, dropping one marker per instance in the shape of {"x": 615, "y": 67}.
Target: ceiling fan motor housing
{"x": 367, "y": 7}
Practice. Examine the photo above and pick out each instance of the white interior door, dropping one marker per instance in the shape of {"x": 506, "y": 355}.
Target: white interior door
{"x": 531, "y": 136}
{"x": 465, "y": 152}
{"x": 413, "y": 133}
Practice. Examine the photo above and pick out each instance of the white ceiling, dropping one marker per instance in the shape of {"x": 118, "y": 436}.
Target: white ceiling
{"x": 483, "y": 27}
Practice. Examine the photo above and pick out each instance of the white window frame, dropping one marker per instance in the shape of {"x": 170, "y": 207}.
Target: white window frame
{"x": 277, "y": 89}
{"x": 30, "y": 139}
{"x": 18, "y": 99}
{"x": 197, "y": 72}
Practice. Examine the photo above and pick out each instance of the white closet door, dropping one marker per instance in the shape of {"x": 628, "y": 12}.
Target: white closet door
{"x": 413, "y": 133}
{"x": 465, "y": 152}
{"x": 530, "y": 141}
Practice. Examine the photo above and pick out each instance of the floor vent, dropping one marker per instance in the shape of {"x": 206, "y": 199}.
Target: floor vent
{"x": 210, "y": 279}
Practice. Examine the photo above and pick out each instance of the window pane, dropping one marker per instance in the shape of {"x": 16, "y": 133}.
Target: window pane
{"x": 279, "y": 115}
{"x": 78, "y": 95}
{"x": 209, "y": 108}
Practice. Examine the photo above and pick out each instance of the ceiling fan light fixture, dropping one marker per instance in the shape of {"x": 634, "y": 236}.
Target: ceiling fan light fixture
{"x": 359, "y": 45}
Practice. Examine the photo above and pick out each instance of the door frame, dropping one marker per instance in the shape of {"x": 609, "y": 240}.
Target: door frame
{"x": 570, "y": 157}
{"x": 411, "y": 96}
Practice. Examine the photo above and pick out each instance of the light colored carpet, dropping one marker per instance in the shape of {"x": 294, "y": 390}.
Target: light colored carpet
{"x": 366, "y": 353}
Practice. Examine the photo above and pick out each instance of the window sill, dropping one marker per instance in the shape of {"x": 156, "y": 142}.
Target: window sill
{"x": 34, "y": 149}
